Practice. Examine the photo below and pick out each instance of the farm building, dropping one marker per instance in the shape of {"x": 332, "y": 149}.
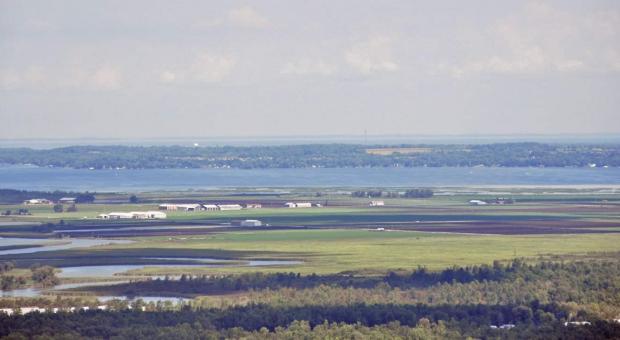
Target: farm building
{"x": 210, "y": 207}
{"x": 376, "y": 203}
{"x": 147, "y": 215}
{"x": 253, "y": 206}
{"x": 38, "y": 201}
{"x": 182, "y": 207}
{"x": 251, "y": 223}
{"x": 116, "y": 216}
{"x": 141, "y": 215}
{"x": 225, "y": 207}
{"x": 298, "y": 205}
{"x": 67, "y": 200}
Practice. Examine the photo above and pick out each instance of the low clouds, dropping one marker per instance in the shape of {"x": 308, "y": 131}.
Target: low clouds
{"x": 372, "y": 56}
{"x": 62, "y": 77}
{"x": 542, "y": 39}
{"x": 368, "y": 57}
{"x": 211, "y": 68}
{"x": 105, "y": 78}
{"x": 205, "y": 68}
{"x": 306, "y": 67}
{"x": 247, "y": 16}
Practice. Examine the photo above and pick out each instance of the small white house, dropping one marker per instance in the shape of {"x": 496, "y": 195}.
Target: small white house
{"x": 251, "y": 223}
{"x": 376, "y": 203}
{"x": 253, "y": 206}
{"x": 210, "y": 207}
{"x": 477, "y": 202}
{"x": 290, "y": 205}
{"x": 225, "y": 207}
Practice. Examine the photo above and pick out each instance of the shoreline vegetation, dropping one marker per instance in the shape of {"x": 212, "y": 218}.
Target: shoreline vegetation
{"x": 318, "y": 155}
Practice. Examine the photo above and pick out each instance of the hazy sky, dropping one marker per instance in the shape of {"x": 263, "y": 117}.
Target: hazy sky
{"x": 232, "y": 68}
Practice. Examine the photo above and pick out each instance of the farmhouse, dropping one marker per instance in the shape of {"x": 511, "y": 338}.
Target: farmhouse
{"x": 210, "y": 207}
{"x": 251, "y": 223}
{"x": 67, "y": 200}
{"x": 37, "y": 201}
{"x": 225, "y": 207}
{"x": 376, "y": 203}
{"x": 253, "y": 206}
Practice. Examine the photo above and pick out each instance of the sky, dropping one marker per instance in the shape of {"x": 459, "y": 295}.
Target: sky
{"x": 161, "y": 69}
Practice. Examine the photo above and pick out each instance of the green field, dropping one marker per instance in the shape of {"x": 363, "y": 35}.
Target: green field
{"x": 331, "y": 250}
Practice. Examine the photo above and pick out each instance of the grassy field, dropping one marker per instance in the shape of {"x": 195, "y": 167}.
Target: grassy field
{"x": 333, "y": 251}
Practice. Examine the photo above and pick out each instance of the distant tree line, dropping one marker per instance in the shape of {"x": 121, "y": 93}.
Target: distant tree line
{"x": 411, "y": 193}
{"x": 317, "y": 155}
{"x": 12, "y": 196}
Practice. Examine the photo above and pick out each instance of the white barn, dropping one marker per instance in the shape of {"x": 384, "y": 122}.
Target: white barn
{"x": 140, "y": 215}
{"x": 182, "y": 207}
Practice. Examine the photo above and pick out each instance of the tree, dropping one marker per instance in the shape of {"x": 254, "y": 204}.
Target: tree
{"x": 419, "y": 193}
{"x": 133, "y": 199}
{"x": 6, "y": 266}
{"x": 85, "y": 198}
{"x": 44, "y": 275}
{"x": 57, "y": 208}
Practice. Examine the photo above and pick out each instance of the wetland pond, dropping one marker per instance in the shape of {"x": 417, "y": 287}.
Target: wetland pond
{"x": 111, "y": 271}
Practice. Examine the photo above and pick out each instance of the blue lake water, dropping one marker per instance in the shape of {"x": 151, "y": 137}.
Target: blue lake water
{"x": 34, "y": 178}
{"x": 50, "y": 245}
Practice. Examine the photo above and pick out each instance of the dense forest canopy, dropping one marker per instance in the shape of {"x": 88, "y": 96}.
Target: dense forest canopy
{"x": 318, "y": 155}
